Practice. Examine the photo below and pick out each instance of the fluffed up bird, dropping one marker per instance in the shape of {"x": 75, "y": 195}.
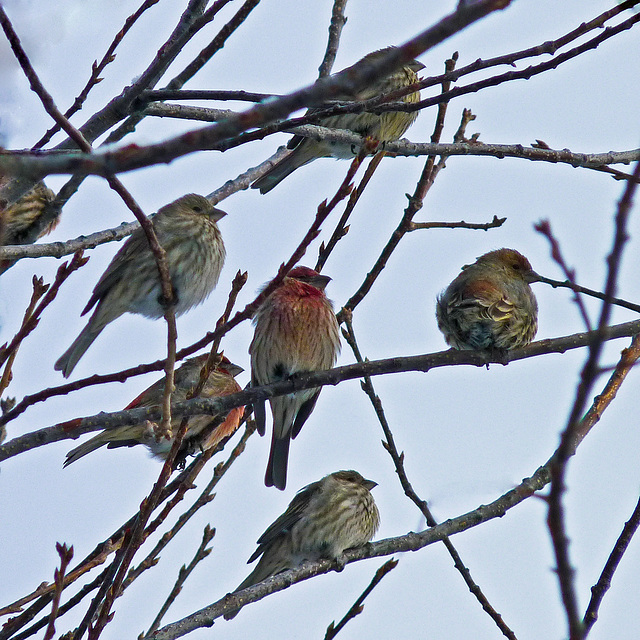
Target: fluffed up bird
{"x": 296, "y": 331}
{"x": 384, "y": 127}
{"x": 187, "y": 231}
{"x": 322, "y": 521}
{"x": 490, "y": 305}
{"x": 203, "y": 431}
{"x": 26, "y": 220}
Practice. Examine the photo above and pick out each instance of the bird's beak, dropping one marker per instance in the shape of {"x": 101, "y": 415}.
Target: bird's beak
{"x": 217, "y": 214}
{"x": 532, "y": 276}
{"x": 416, "y": 66}
{"x": 370, "y": 484}
{"x": 233, "y": 369}
{"x": 320, "y": 281}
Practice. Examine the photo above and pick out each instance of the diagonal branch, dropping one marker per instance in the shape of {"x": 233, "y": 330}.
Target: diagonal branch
{"x": 558, "y": 467}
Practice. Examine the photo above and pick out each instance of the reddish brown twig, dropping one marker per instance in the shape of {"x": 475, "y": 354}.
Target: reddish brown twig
{"x": 32, "y": 314}
{"x": 66, "y": 554}
{"x": 555, "y": 518}
{"x": 96, "y": 69}
{"x": 358, "y": 606}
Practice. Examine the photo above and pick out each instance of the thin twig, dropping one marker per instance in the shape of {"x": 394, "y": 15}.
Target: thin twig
{"x": 338, "y": 20}
{"x": 203, "y": 499}
{"x": 32, "y": 316}
{"x": 353, "y": 79}
{"x": 408, "y": 542}
{"x": 215, "y": 406}
{"x": 544, "y": 227}
{"x": 555, "y": 517}
{"x": 341, "y": 229}
{"x": 185, "y": 571}
{"x": 483, "y": 226}
{"x": 198, "y": 62}
{"x": 47, "y": 588}
{"x": 358, "y": 607}
{"x": 599, "y": 589}
{"x": 398, "y": 461}
{"x": 66, "y": 554}
{"x": 429, "y": 173}
{"x": 567, "y": 284}
{"x": 96, "y": 69}
{"x": 214, "y": 46}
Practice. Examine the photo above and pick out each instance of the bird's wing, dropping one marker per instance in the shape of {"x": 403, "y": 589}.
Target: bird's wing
{"x": 259, "y": 412}
{"x": 285, "y": 522}
{"x": 119, "y": 265}
{"x": 303, "y": 414}
{"x": 490, "y": 299}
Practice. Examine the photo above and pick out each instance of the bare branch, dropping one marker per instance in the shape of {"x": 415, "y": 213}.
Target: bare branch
{"x": 338, "y": 20}
{"x": 358, "y": 607}
{"x": 66, "y": 554}
{"x": 560, "y": 459}
{"x": 201, "y": 553}
{"x": 215, "y": 406}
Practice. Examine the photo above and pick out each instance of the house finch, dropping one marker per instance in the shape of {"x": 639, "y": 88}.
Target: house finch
{"x": 385, "y": 127}
{"x": 490, "y": 304}
{"x": 187, "y": 230}
{"x": 23, "y": 222}
{"x": 325, "y": 518}
{"x": 203, "y": 432}
{"x": 296, "y": 331}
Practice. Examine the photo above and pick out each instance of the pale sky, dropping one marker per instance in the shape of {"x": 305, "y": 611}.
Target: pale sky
{"x": 469, "y": 435}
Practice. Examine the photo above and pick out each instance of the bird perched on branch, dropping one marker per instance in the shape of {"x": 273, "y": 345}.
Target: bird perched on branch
{"x": 187, "y": 231}
{"x": 203, "y": 431}
{"x": 384, "y": 127}
{"x": 322, "y": 521}
{"x": 27, "y": 220}
{"x": 490, "y": 304}
{"x": 296, "y": 331}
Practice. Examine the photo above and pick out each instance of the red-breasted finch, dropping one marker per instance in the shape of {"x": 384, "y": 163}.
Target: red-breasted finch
{"x": 203, "y": 431}
{"x": 296, "y": 331}
{"x": 187, "y": 231}
{"x": 322, "y": 521}
{"x": 490, "y": 305}
{"x": 384, "y": 127}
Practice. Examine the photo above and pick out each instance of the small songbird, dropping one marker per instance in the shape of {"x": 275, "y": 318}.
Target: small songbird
{"x": 203, "y": 431}
{"x": 296, "y": 331}
{"x": 322, "y": 521}
{"x": 24, "y": 221}
{"x": 384, "y": 127}
{"x": 187, "y": 231}
{"x": 490, "y": 304}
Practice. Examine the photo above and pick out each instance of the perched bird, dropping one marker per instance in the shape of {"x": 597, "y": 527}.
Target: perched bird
{"x": 322, "y": 521}
{"x": 187, "y": 230}
{"x": 490, "y": 305}
{"x": 384, "y": 127}
{"x": 203, "y": 431}
{"x": 296, "y": 331}
{"x": 26, "y": 220}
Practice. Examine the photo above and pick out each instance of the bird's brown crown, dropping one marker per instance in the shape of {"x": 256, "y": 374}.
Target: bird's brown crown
{"x": 509, "y": 258}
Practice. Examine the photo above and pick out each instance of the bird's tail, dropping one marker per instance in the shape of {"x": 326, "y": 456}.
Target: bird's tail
{"x": 284, "y": 409}
{"x": 277, "y": 556}
{"x": 69, "y": 359}
{"x": 303, "y": 153}
{"x": 276, "y": 475}
{"x": 122, "y": 436}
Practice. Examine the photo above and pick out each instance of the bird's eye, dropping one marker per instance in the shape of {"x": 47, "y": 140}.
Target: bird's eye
{"x": 197, "y": 209}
